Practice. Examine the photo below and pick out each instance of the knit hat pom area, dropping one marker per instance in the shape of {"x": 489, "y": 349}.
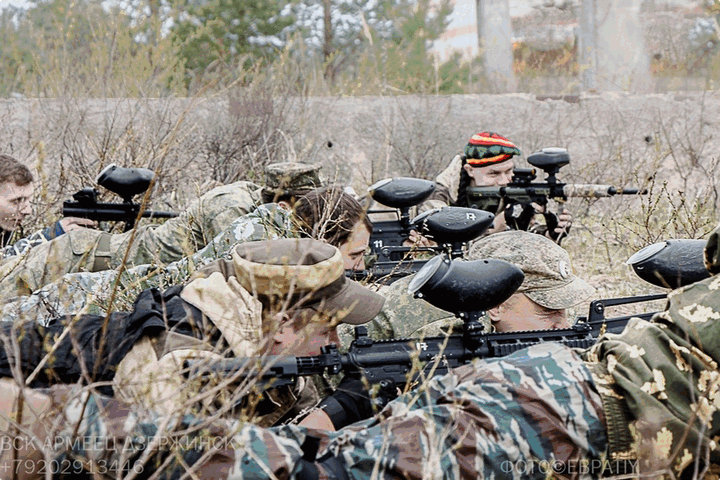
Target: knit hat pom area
{"x": 487, "y": 148}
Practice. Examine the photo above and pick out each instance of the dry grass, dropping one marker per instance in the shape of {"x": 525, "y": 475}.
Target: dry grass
{"x": 662, "y": 144}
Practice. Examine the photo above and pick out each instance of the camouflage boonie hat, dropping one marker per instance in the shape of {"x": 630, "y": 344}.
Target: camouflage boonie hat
{"x": 310, "y": 272}
{"x": 291, "y": 178}
{"x": 549, "y": 279}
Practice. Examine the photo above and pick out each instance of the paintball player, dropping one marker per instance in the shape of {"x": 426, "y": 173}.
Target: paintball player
{"x": 326, "y": 213}
{"x": 488, "y": 161}
{"x": 92, "y": 250}
{"x": 642, "y": 403}
{"x": 16, "y": 191}
{"x": 549, "y": 289}
{"x": 333, "y": 215}
{"x": 278, "y": 297}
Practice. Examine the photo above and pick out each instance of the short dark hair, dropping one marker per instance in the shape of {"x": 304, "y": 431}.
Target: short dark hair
{"x": 13, "y": 171}
{"x": 329, "y": 214}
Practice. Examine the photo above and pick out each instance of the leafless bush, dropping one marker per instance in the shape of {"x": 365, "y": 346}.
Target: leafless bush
{"x": 411, "y": 139}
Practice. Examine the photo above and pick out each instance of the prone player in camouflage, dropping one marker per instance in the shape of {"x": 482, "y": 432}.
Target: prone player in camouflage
{"x": 642, "y": 402}
{"x": 93, "y": 250}
{"x": 279, "y": 297}
{"x": 325, "y": 213}
{"x": 16, "y": 191}
{"x": 549, "y": 289}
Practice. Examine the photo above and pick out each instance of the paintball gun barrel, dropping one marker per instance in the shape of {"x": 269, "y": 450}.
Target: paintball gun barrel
{"x": 126, "y": 183}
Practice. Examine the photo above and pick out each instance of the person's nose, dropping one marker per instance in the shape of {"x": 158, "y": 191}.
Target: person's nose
{"x": 25, "y": 209}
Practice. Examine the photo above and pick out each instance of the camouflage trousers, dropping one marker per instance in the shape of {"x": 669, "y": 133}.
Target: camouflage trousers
{"x": 533, "y": 414}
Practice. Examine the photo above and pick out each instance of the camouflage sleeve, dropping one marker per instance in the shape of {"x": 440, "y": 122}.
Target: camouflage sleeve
{"x": 91, "y": 292}
{"x": 533, "y": 414}
{"x": 24, "y": 244}
{"x": 206, "y": 218}
{"x": 666, "y": 372}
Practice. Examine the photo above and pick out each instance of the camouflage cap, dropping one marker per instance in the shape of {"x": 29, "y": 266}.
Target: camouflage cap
{"x": 309, "y": 273}
{"x": 549, "y": 279}
{"x": 291, "y": 178}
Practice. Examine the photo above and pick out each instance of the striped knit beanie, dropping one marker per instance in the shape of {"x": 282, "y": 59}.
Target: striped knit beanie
{"x": 488, "y": 148}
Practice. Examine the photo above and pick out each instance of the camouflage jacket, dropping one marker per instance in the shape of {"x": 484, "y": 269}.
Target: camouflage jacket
{"x": 539, "y": 413}
{"x": 23, "y": 245}
{"x": 93, "y": 292}
{"x": 92, "y": 250}
{"x": 529, "y": 415}
{"x": 666, "y": 374}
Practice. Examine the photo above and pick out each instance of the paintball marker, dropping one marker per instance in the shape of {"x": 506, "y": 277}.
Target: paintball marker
{"x": 521, "y": 191}
{"x": 126, "y": 183}
{"x": 449, "y": 227}
{"x": 672, "y": 263}
{"x": 466, "y": 288}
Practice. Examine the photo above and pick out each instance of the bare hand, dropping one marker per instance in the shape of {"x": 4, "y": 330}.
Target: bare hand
{"x": 73, "y": 223}
{"x": 499, "y": 225}
{"x": 417, "y": 240}
{"x": 565, "y": 219}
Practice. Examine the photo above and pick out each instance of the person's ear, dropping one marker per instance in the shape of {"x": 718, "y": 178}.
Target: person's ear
{"x": 468, "y": 168}
{"x": 285, "y": 334}
{"x": 285, "y": 205}
{"x": 495, "y": 313}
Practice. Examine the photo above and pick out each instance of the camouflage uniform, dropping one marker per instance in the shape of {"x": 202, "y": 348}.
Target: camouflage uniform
{"x": 644, "y": 400}
{"x": 665, "y": 374}
{"x": 92, "y": 250}
{"x": 90, "y": 292}
{"x": 516, "y": 417}
{"x": 21, "y": 246}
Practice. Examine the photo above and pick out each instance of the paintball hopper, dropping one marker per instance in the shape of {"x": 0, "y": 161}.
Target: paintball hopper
{"x": 449, "y": 225}
{"x": 401, "y": 192}
{"x": 465, "y": 286}
{"x": 672, "y": 263}
{"x": 125, "y": 182}
{"x": 550, "y": 160}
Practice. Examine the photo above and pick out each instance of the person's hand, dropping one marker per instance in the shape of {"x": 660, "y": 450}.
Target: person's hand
{"x": 565, "y": 219}
{"x": 559, "y": 226}
{"x": 350, "y": 403}
{"x": 499, "y": 225}
{"x": 73, "y": 223}
{"x": 417, "y": 240}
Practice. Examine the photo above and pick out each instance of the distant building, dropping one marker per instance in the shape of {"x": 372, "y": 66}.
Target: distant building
{"x": 461, "y": 35}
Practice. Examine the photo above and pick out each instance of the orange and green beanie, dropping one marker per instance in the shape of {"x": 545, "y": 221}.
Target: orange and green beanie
{"x": 488, "y": 148}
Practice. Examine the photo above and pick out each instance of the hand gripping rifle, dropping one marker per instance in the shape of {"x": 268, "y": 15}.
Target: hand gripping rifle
{"x": 449, "y": 227}
{"x": 466, "y": 288}
{"x": 126, "y": 183}
{"x": 521, "y": 191}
